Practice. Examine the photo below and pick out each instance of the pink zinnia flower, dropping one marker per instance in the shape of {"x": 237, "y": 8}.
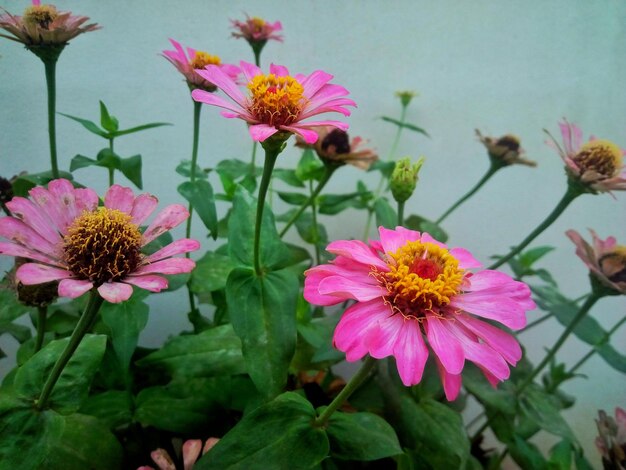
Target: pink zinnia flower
{"x": 605, "y": 259}
{"x": 277, "y": 102}
{"x": 189, "y": 62}
{"x": 72, "y": 240}
{"x": 257, "y": 30}
{"x": 44, "y": 25}
{"x": 599, "y": 164}
{"x": 407, "y": 286}
{"x": 335, "y": 147}
{"x": 191, "y": 453}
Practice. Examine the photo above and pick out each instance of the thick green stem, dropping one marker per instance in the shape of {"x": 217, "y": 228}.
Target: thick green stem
{"x": 255, "y": 144}
{"x": 50, "y": 66}
{"x": 401, "y": 213}
{"x": 111, "y": 170}
{"x": 351, "y": 386}
{"x": 320, "y": 185}
{"x": 572, "y": 193}
{"x": 42, "y": 315}
{"x": 490, "y": 172}
{"x": 82, "y": 327}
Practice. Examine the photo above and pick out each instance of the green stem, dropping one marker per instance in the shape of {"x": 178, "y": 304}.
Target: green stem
{"x": 255, "y": 144}
{"x": 572, "y": 193}
{"x": 50, "y": 66}
{"x": 42, "y": 314}
{"x": 401, "y": 213}
{"x": 111, "y": 170}
{"x": 493, "y": 168}
{"x": 257, "y": 55}
{"x": 315, "y": 228}
{"x": 271, "y": 154}
{"x": 328, "y": 172}
{"x": 86, "y": 319}
{"x": 396, "y": 141}
{"x": 350, "y": 387}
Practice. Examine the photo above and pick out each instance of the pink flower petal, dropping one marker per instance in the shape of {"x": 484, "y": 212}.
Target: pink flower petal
{"x": 143, "y": 206}
{"x": 393, "y": 240}
{"x": 445, "y": 345}
{"x": 167, "y": 266}
{"x": 504, "y": 343}
{"x": 351, "y": 330}
{"x": 120, "y": 198}
{"x": 48, "y": 205}
{"x": 13, "y": 249}
{"x": 314, "y": 82}
{"x": 466, "y": 259}
{"x": 150, "y": 282}
{"x": 74, "y": 288}
{"x": 184, "y": 245}
{"x": 351, "y": 289}
{"x": 33, "y": 273}
{"x": 509, "y": 312}
{"x": 309, "y": 136}
{"x": 32, "y": 215}
{"x": 311, "y": 289}
{"x": 220, "y": 79}
{"x": 115, "y": 292}
{"x": 382, "y": 338}
{"x": 63, "y": 193}
{"x": 357, "y": 251}
{"x": 20, "y": 233}
{"x": 214, "y": 100}
{"x": 410, "y": 353}
{"x": 451, "y": 383}
{"x": 191, "y": 452}
{"x": 165, "y": 220}
{"x": 249, "y": 70}
{"x": 162, "y": 459}
{"x": 260, "y": 132}
{"x": 86, "y": 200}
{"x": 279, "y": 70}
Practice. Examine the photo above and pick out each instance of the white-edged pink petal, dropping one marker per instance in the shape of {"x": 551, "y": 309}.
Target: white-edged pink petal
{"x": 119, "y": 198}
{"x": 34, "y": 273}
{"x": 165, "y": 220}
{"x": 115, "y": 292}
{"x": 150, "y": 282}
{"x": 167, "y": 266}
{"x": 73, "y": 288}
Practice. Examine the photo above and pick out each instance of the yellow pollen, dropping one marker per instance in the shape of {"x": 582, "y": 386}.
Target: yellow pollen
{"x": 276, "y": 101}
{"x": 600, "y": 156}
{"x": 102, "y": 245}
{"x": 202, "y": 59}
{"x": 257, "y": 23}
{"x": 613, "y": 264}
{"x": 41, "y": 15}
{"x": 422, "y": 278}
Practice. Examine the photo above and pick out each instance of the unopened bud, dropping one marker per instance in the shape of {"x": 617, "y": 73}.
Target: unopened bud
{"x": 404, "y": 178}
{"x": 405, "y": 97}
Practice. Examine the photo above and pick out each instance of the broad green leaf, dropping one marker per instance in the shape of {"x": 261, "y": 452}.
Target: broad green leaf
{"x": 113, "y": 408}
{"x": 108, "y": 122}
{"x": 331, "y": 204}
{"x": 81, "y": 161}
{"x": 184, "y": 169}
{"x": 126, "y": 320}
{"x": 200, "y": 194}
{"x": 419, "y": 223}
{"x": 262, "y": 311}
{"x": 279, "y": 433}
{"x": 385, "y": 167}
{"x": 561, "y": 456}
{"x": 131, "y": 169}
{"x": 530, "y": 257}
{"x": 216, "y": 351}
{"x": 89, "y": 125}
{"x": 309, "y": 167}
{"x": 143, "y": 127}
{"x": 10, "y": 308}
{"x": 385, "y": 214}
{"x": 526, "y": 454}
{"x": 210, "y": 273}
{"x": 296, "y": 199}
{"x": 501, "y": 398}
{"x": 361, "y": 436}
{"x": 288, "y": 176}
{"x": 310, "y": 232}
{"x": 543, "y": 409}
{"x": 405, "y": 125}
{"x": 73, "y": 385}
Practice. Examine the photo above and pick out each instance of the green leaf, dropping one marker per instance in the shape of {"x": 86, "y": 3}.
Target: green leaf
{"x": 296, "y": 199}
{"x": 405, "y": 125}
{"x": 113, "y": 408}
{"x": 288, "y": 176}
{"x": 543, "y": 409}
{"x": 278, "y": 433}
{"x": 10, "y": 308}
{"x": 131, "y": 169}
{"x": 501, "y": 398}
{"x": 262, "y": 311}
{"x": 184, "y": 169}
{"x": 309, "y": 167}
{"x": 419, "y": 223}
{"x": 73, "y": 385}
{"x": 385, "y": 167}
{"x": 385, "y": 214}
{"x": 361, "y": 436}
{"x": 199, "y": 193}
{"x": 126, "y": 320}
{"x": 80, "y": 161}
{"x": 143, "y": 127}
{"x": 216, "y": 351}
{"x": 530, "y": 257}
{"x": 210, "y": 273}
{"x": 108, "y": 122}
{"x": 89, "y": 125}
{"x": 561, "y": 456}
{"x": 332, "y": 204}
{"x": 526, "y": 454}
{"x": 25, "y": 183}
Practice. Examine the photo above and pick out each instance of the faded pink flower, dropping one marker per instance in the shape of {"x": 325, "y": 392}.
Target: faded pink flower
{"x": 44, "y": 25}
{"x": 334, "y": 147}
{"x": 191, "y": 453}
{"x": 407, "y": 286}
{"x": 611, "y": 442}
{"x": 72, "y": 240}
{"x": 277, "y": 102}
{"x": 190, "y": 61}
{"x": 598, "y": 164}
{"x": 605, "y": 259}
{"x": 257, "y": 30}
{"x": 506, "y": 150}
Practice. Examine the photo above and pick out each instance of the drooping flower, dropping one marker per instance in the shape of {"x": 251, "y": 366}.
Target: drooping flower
{"x": 335, "y": 148}
{"x": 72, "y": 240}
{"x": 44, "y": 25}
{"x": 605, "y": 259}
{"x": 408, "y": 286}
{"x": 256, "y": 30}
{"x": 598, "y": 164}
{"x": 612, "y": 439}
{"x": 192, "y": 60}
{"x": 191, "y": 452}
{"x": 505, "y": 150}
{"x": 277, "y": 102}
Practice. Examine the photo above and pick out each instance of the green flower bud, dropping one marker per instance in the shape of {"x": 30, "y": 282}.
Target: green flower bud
{"x": 404, "y": 178}
{"x": 405, "y": 97}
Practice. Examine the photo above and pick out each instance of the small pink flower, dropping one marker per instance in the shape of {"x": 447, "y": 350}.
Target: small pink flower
{"x": 191, "y": 452}
{"x": 277, "y": 102}
{"x": 598, "y": 164}
{"x": 335, "y": 147}
{"x": 190, "y": 61}
{"x": 407, "y": 286}
{"x": 257, "y": 30}
{"x": 605, "y": 259}
{"x": 44, "y": 25}
{"x": 72, "y": 240}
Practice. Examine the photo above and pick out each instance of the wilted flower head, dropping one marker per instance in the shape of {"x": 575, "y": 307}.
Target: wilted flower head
{"x": 191, "y": 453}
{"x": 256, "y": 30}
{"x": 191, "y": 61}
{"x": 404, "y": 178}
{"x": 405, "y": 97}
{"x": 277, "y": 102}
{"x": 335, "y": 148}
{"x": 612, "y": 439}
{"x": 505, "y": 150}
{"x": 605, "y": 259}
{"x": 44, "y": 25}
{"x": 598, "y": 164}
{"x": 6, "y": 190}
{"x": 407, "y": 286}
{"x": 72, "y": 240}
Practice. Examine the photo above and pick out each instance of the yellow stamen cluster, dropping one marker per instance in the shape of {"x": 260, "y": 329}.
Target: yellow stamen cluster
{"x": 422, "y": 277}
{"x": 613, "y": 264}
{"x": 599, "y": 156}
{"x": 202, "y": 59}
{"x": 41, "y": 15}
{"x": 257, "y": 24}
{"x": 103, "y": 245}
{"x": 276, "y": 100}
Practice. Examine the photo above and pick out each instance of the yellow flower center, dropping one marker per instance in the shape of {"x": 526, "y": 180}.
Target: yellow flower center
{"x": 257, "y": 24}
{"x": 613, "y": 264}
{"x": 600, "y": 156}
{"x": 276, "y": 100}
{"x": 202, "y": 59}
{"x": 422, "y": 278}
{"x": 41, "y": 15}
{"x": 103, "y": 245}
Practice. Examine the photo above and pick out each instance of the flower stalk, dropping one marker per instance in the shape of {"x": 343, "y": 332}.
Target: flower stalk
{"x": 42, "y": 314}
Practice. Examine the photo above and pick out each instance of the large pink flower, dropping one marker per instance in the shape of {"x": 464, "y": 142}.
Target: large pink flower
{"x": 72, "y": 240}
{"x": 597, "y": 163}
{"x": 407, "y": 286}
{"x": 605, "y": 259}
{"x": 257, "y": 30}
{"x": 277, "y": 102}
{"x": 190, "y": 61}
